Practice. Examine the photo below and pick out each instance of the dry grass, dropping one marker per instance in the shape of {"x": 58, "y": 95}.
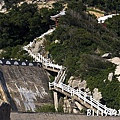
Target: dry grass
{"x": 94, "y": 11}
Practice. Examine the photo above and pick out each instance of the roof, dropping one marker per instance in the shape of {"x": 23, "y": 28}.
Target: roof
{"x": 102, "y": 19}
{"x": 58, "y": 15}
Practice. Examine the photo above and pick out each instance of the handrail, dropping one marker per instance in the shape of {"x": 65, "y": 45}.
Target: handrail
{"x": 58, "y": 82}
{"x": 83, "y": 96}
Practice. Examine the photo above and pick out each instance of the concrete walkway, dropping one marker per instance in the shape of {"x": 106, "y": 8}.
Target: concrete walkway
{"x": 48, "y": 116}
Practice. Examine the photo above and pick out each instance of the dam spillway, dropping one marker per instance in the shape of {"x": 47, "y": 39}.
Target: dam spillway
{"x": 25, "y": 87}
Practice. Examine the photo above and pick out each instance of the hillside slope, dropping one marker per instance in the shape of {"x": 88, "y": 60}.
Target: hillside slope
{"x": 81, "y": 42}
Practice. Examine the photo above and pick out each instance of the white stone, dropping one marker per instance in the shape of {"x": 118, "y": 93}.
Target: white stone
{"x": 75, "y": 84}
{"x": 110, "y": 76}
{"x": 71, "y": 78}
{"x": 116, "y": 60}
{"x": 87, "y": 90}
{"x": 57, "y": 41}
{"x": 117, "y": 70}
{"x": 82, "y": 85}
{"x": 70, "y": 81}
{"x": 96, "y": 94}
{"x": 75, "y": 111}
{"x": 118, "y": 78}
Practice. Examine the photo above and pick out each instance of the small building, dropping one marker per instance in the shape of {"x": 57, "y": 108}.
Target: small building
{"x": 56, "y": 17}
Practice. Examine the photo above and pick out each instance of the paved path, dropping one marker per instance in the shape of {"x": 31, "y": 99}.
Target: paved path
{"x": 47, "y": 116}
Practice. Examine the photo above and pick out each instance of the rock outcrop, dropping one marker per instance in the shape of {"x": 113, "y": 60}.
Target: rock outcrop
{"x": 96, "y": 94}
{"x": 77, "y": 83}
{"x": 116, "y": 61}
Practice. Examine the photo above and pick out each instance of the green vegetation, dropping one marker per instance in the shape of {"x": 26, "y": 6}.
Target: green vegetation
{"x": 16, "y": 52}
{"x": 46, "y": 108}
{"x": 94, "y": 10}
{"x": 49, "y": 108}
{"x": 21, "y": 25}
{"x": 60, "y": 109}
{"x": 82, "y": 41}
{"x": 10, "y": 3}
{"x": 114, "y": 25}
{"x": 106, "y": 5}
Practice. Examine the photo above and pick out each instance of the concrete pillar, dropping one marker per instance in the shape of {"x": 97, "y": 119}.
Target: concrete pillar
{"x": 55, "y": 101}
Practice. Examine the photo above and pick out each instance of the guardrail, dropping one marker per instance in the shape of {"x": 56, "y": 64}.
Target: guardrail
{"x": 58, "y": 83}
{"x": 82, "y": 95}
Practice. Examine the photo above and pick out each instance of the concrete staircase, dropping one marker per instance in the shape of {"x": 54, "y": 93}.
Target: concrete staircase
{"x": 57, "y": 85}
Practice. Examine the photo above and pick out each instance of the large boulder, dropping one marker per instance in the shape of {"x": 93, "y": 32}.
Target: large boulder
{"x": 67, "y": 108}
{"x": 110, "y": 76}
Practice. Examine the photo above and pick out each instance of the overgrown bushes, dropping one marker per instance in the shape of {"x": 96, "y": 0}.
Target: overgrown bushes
{"x": 82, "y": 41}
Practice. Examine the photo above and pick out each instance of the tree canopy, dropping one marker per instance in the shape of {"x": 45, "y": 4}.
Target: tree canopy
{"x": 106, "y": 5}
{"x": 81, "y": 42}
{"x": 22, "y": 24}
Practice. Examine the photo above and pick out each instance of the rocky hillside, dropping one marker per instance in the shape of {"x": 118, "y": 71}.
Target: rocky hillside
{"x": 80, "y": 43}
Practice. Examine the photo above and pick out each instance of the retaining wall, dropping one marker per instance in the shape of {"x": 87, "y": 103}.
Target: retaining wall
{"x": 48, "y": 116}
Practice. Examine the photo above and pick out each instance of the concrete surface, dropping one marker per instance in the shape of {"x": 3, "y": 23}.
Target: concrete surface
{"x": 48, "y": 116}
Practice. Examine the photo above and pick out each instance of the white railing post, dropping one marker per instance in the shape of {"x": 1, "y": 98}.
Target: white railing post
{"x": 60, "y": 78}
{"x": 91, "y": 101}
{"x": 77, "y": 92}
{"x": 71, "y": 93}
{"x": 119, "y": 112}
{"x": 61, "y": 86}
{"x": 105, "y": 110}
{"x": 113, "y": 112}
{"x": 49, "y": 85}
{"x": 98, "y": 105}
{"x": 85, "y": 98}
{"x": 68, "y": 89}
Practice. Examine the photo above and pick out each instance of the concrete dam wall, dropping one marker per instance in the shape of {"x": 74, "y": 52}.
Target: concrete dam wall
{"x": 24, "y": 87}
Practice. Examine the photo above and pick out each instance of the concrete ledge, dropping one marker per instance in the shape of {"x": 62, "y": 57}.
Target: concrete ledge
{"x": 50, "y": 116}
{"x": 19, "y": 63}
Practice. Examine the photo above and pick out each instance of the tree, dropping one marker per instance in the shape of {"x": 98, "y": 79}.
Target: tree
{"x": 22, "y": 24}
